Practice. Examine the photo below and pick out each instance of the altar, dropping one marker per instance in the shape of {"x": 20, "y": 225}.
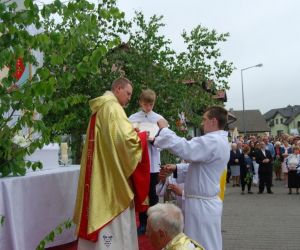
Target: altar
{"x": 33, "y": 205}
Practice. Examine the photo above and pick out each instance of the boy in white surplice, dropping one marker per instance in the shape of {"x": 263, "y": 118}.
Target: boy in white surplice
{"x": 147, "y": 116}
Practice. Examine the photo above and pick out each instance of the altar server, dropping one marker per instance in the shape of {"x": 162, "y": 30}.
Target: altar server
{"x": 208, "y": 156}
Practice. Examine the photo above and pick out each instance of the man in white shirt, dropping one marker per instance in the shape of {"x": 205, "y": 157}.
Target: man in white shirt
{"x": 240, "y": 147}
{"x": 208, "y": 156}
{"x": 265, "y": 170}
{"x": 147, "y": 115}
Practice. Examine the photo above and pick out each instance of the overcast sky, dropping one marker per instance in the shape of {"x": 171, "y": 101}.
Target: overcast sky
{"x": 261, "y": 31}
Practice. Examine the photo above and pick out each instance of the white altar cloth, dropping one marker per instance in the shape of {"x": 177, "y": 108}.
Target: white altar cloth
{"x": 33, "y": 205}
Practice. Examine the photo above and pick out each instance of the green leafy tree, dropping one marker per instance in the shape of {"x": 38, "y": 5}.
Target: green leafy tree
{"x": 80, "y": 40}
{"x": 16, "y": 42}
{"x": 74, "y": 39}
{"x": 78, "y": 57}
{"x": 148, "y": 60}
{"x": 202, "y": 63}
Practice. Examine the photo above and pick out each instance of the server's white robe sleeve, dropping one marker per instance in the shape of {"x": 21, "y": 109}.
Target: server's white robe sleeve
{"x": 199, "y": 149}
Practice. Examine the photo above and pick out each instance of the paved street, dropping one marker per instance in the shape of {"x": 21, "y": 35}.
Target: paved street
{"x": 265, "y": 221}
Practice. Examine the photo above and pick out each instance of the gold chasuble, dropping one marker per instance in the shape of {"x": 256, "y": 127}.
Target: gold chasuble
{"x": 182, "y": 242}
{"x": 116, "y": 151}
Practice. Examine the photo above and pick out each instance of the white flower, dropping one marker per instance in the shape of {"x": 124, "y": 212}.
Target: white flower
{"x": 20, "y": 140}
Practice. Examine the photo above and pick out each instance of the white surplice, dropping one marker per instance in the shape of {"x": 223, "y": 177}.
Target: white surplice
{"x": 208, "y": 156}
{"x": 154, "y": 153}
{"x": 120, "y": 234}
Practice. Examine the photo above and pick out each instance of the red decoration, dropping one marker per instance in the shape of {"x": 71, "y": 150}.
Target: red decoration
{"x": 20, "y": 68}
{"x": 141, "y": 176}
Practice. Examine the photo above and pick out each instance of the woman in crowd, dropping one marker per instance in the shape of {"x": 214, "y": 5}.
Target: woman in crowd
{"x": 252, "y": 150}
{"x": 247, "y": 170}
{"x": 293, "y": 166}
{"x": 234, "y": 164}
{"x": 278, "y": 159}
{"x": 287, "y": 151}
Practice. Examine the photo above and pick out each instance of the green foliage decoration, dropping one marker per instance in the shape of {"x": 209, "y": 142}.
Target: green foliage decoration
{"x": 248, "y": 178}
{"x": 2, "y": 218}
{"x": 66, "y": 225}
{"x": 277, "y": 165}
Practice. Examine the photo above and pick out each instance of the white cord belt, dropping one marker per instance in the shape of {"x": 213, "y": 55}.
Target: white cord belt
{"x": 201, "y": 197}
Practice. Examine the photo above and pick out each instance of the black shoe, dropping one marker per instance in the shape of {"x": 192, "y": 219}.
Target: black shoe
{"x": 141, "y": 230}
{"x": 270, "y": 192}
{"x": 290, "y": 192}
{"x": 250, "y": 192}
{"x": 259, "y": 192}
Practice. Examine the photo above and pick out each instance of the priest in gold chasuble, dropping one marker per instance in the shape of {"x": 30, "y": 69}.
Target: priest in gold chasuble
{"x": 104, "y": 211}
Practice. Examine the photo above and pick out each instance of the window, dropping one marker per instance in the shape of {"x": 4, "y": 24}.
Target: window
{"x": 279, "y": 132}
{"x": 298, "y": 124}
{"x": 281, "y": 120}
{"x": 276, "y": 121}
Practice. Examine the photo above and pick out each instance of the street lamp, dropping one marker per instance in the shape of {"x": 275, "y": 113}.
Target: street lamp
{"x": 258, "y": 65}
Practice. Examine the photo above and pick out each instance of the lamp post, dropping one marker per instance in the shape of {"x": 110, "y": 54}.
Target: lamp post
{"x": 258, "y": 65}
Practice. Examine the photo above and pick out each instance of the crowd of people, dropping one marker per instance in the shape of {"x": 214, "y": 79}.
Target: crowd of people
{"x": 259, "y": 160}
